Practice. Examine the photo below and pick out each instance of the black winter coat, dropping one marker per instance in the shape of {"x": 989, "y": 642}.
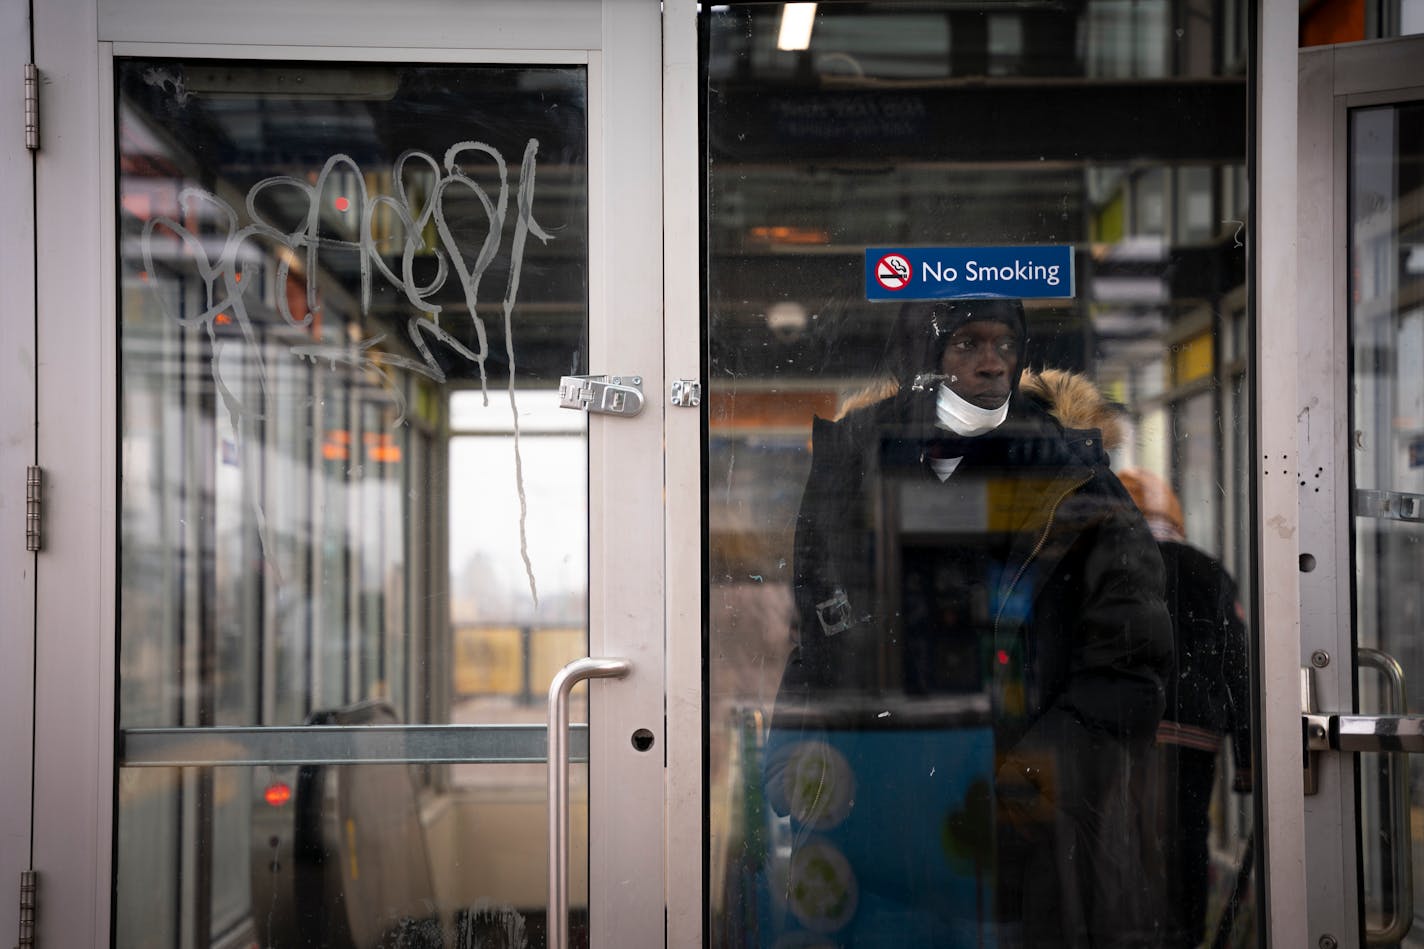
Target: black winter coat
{"x": 1028, "y": 576}
{"x": 1208, "y": 698}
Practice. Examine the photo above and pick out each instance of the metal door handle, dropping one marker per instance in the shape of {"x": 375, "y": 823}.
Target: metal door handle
{"x": 1395, "y": 735}
{"x": 559, "y": 689}
{"x": 1401, "y": 908}
{"x": 1364, "y": 732}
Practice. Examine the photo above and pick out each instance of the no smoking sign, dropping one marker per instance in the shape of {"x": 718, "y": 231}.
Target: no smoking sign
{"x": 892, "y": 271}
{"x": 1011, "y": 271}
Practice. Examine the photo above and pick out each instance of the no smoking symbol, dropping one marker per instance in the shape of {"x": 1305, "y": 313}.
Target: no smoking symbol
{"x": 892, "y": 272}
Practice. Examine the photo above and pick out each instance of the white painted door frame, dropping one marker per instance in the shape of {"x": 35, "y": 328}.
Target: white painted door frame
{"x": 76, "y": 41}
{"x": 1332, "y": 81}
{"x": 17, "y": 453}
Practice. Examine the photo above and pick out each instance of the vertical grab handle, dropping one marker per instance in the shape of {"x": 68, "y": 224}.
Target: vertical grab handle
{"x": 1401, "y": 915}
{"x": 558, "y": 758}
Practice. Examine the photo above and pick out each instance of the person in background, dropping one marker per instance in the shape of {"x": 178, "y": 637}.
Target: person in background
{"x": 1207, "y": 700}
{"x": 958, "y": 537}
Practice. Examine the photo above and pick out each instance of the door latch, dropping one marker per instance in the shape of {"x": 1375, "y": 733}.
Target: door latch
{"x": 602, "y": 395}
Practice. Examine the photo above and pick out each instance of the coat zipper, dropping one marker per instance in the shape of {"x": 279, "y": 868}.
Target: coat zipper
{"x": 1037, "y": 548}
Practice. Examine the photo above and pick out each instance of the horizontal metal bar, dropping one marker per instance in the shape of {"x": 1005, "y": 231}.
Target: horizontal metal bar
{"x": 342, "y": 744}
{"x": 1389, "y": 505}
{"x": 1364, "y": 732}
{"x": 1378, "y": 733}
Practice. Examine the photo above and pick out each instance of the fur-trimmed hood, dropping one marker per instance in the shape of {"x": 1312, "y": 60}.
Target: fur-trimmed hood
{"x": 1069, "y": 397}
{"x": 1075, "y": 402}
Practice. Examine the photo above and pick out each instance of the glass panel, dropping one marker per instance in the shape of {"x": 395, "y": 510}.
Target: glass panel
{"x": 1386, "y": 182}
{"x": 349, "y": 498}
{"x": 411, "y": 875}
{"x": 963, "y": 687}
{"x": 1392, "y": 18}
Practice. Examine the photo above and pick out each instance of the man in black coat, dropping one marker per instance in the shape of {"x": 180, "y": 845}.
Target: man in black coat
{"x": 956, "y": 539}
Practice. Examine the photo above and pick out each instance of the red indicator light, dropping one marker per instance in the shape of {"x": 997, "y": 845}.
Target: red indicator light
{"x": 1003, "y": 657}
{"x": 222, "y": 319}
{"x": 277, "y": 794}
{"x": 342, "y": 204}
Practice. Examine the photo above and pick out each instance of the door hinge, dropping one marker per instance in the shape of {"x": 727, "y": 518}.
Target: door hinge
{"x": 29, "y": 883}
{"x": 34, "y": 505}
{"x": 32, "y": 107}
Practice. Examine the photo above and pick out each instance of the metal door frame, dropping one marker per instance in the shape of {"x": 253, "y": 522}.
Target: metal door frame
{"x": 682, "y": 267}
{"x": 1282, "y": 893}
{"x": 1280, "y": 820}
{"x": 17, "y": 453}
{"x": 1333, "y": 80}
{"x": 75, "y": 586}
{"x": 73, "y": 724}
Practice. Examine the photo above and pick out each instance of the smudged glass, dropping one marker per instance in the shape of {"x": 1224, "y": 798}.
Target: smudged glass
{"x": 912, "y": 700}
{"x": 349, "y": 498}
{"x": 1386, "y": 254}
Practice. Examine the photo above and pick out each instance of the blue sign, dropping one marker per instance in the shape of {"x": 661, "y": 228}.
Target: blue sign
{"x": 966, "y": 273}
{"x": 867, "y": 855}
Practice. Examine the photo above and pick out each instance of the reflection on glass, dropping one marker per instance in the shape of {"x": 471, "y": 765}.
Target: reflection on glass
{"x": 1387, "y": 341}
{"x": 347, "y": 296}
{"x": 346, "y": 855}
{"x": 935, "y": 650}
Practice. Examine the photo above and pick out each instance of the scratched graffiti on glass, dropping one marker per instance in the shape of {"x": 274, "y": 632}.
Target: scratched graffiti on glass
{"x": 225, "y": 278}
{"x": 224, "y": 283}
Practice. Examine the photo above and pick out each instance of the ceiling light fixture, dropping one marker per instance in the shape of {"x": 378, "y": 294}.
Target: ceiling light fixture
{"x": 796, "y": 22}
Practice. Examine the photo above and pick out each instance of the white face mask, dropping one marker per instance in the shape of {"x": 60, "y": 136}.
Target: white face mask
{"x": 965, "y": 418}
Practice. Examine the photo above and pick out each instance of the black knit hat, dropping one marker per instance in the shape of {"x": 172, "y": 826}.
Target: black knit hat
{"x": 922, "y": 329}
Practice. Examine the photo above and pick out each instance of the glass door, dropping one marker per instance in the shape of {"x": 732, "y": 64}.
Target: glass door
{"x": 979, "y": 399}
{"x": 349, "y": 496}
{"x": 363, "y": 445}
{"x": 1362, "y": 565}
{"x": 1386, "y": 200}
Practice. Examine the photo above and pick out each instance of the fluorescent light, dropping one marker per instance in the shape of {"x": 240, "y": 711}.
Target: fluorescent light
{"x": 796, "y": 20}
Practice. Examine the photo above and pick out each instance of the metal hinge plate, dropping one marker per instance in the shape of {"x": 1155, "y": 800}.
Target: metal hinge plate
{"x": 686, "y": 393}
{"x": 34, "y": 507}
{"x": 32, "y": 107}
{"x": 29, "y": 883}
{"x": 602, "y": 395}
